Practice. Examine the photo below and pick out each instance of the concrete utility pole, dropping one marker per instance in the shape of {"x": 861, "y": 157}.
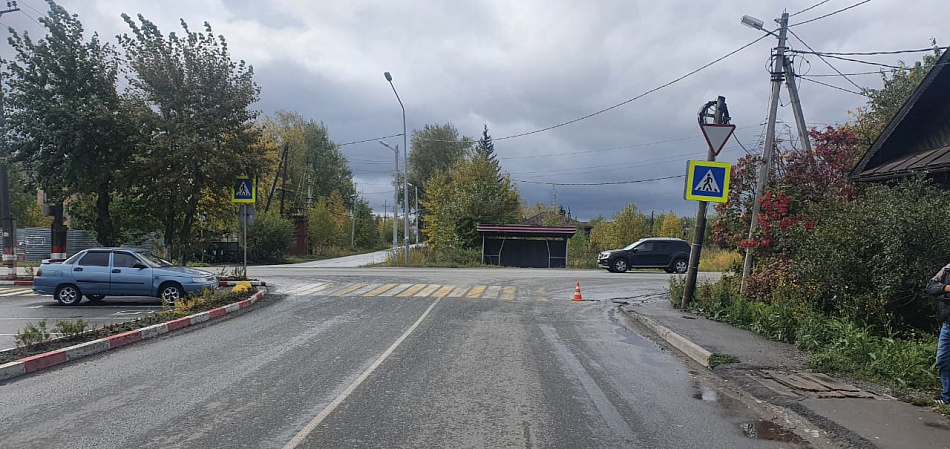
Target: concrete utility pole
{"x": 720, "y": 117}
{"x": 779, "y": 68}
{"x": 405, "y": 158}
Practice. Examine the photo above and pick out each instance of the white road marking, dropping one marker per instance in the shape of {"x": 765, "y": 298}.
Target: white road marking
{"x": 312, "y": 425}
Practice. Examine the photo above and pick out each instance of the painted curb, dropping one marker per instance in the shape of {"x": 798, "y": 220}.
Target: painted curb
{"x": 233, "y": 283}
{"x": 42, "y": 361}
{"x": 692, "y": 350}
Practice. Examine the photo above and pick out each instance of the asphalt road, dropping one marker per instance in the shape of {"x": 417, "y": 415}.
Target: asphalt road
{"x": 19, "y": 306}
{"x": 393, "y": 358}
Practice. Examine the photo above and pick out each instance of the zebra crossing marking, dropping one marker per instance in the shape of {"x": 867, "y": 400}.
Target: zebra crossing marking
{"x": 412, "y": 290}
{"x": 427, "y": 291}
{"x": 508, "y": 293}
{"x": 346, "y": 290}
{"x": 17, "y": 292}
{"x": 458, "y": 292}
{"x": 491, "y": 292}
{"x": 380, "y": 290}
{"x": 313, "y": 289}
{"x": 445, "y": 290}
{"x": 475, "y": 292}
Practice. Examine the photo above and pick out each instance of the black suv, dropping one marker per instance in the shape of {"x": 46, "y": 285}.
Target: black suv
{"x": 671, "y": 255}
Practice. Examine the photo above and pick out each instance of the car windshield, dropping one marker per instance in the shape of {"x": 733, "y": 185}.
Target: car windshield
{"x": 154, "y": 261}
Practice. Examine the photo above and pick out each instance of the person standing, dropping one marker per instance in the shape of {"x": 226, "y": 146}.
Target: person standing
{"x": 939, "y": 288}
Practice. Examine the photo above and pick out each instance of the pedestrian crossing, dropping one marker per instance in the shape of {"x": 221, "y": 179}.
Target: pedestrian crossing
{"x": 17, "y": 291}
{"x": 393, "y": 290}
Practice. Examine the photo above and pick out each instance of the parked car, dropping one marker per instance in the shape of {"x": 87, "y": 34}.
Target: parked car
{"x": 100, "y": 272}
{"x": 669, "y": 254}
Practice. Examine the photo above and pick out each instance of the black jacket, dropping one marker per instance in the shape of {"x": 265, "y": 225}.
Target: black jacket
{"x": 936, "y": 289}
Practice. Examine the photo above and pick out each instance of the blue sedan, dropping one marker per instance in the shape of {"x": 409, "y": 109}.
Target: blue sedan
{"x": 100, "y": 272}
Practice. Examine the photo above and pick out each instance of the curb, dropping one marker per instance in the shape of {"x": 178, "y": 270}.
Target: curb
{"x": 692, "y": 350}
{"x": 233, "y": 283}
{"x": 16, "y": 282}
{"x": 42, "y": 361}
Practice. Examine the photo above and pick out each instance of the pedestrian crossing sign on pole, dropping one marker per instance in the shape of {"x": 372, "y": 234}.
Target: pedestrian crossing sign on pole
{"x": 245, "y": 190}
{"x": 708, "y": 181}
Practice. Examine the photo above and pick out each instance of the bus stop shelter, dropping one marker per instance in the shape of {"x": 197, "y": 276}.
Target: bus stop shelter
{"x": 525, "y": 246}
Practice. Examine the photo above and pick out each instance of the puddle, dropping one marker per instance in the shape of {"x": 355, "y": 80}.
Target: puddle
{"x": 705, "y": 393}
{"x": 767, "y": 430}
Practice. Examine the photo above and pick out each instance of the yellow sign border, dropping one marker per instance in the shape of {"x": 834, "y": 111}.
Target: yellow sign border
{"x": 253, "y": 199}
{"x": 690, "y": 177}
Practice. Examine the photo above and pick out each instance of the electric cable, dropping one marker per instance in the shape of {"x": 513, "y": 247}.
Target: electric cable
{"x": 809, "y": 8}
{"x": 830, "y": 14}
{"x": 826, "y": 62}
{"x": 598, "y": 183}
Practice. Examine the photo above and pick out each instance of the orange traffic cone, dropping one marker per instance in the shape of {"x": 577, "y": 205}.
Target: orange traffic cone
{"x": 577, "y": 293}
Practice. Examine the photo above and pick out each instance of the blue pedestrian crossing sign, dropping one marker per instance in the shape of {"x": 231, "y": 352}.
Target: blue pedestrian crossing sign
{"x": 708, "y": 181}
{"x": 245, "y": 190}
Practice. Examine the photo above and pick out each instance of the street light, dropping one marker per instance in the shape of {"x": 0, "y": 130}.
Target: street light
{"x": 405, "y": 158}
{"x": 395, "y": 196}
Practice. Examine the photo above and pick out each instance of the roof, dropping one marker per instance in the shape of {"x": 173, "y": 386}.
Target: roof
{"x": 522, "y": 230}
{"x": 566, "y": 220}
{"x": 917, "y": 140}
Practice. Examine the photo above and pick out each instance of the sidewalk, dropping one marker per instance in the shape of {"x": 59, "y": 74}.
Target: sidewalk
{"x": 776, "y": 372}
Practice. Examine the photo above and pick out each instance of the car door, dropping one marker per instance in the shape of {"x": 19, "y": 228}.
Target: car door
{"x": 642, "y": 255}
{"x": 92, "y": 273}
{"x": 130, "y": 276}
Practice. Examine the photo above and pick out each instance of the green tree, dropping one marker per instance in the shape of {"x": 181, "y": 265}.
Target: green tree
{"x": 435, "y": 148}
{"x": 316, "y": 165}
{"x": 883, "y": 104}
{"x": 202, "y": 130}
{"x": 468, "y": 195}
{"x": 66, "y": 121}
{"x": 486, "y": 147}
{"x": 628, "y": 226}
{"x": 269, "y": 238}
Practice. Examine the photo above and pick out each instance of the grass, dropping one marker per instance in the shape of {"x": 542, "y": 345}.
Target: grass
{"x": 721, "y": 359}
{"x": 835, "y": 345}
{"x": 714, "y": 259}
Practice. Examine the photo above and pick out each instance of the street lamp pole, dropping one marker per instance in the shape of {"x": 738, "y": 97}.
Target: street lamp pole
{"x": 405, "y": 158}
{"x": 395, "y": 197}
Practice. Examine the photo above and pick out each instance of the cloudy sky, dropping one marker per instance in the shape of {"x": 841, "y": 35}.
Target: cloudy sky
{"x": 524, "y": 65}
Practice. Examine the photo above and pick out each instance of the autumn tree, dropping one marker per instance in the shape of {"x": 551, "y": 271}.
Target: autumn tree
{"x": 467, "y": 195}
{"x": 671, "y": 226}
{"x": 198, "y": 116}
{"x": 435, "y": 148}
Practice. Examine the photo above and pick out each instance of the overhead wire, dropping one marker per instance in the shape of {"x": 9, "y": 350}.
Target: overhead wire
{"x": 598, "y": 183}
{"x": 831, "y": 13}
{"x": 809, "y": 8}
{"x": 866, "y": 53}
{"x": 826, "y": 62}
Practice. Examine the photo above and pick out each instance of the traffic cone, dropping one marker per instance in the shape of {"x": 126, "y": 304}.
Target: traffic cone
{"x": 577, "y": 293}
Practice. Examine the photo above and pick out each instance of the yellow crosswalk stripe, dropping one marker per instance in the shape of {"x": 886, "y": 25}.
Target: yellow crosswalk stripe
{"x": 458, "y": 292}
{"x": 445, "y": 290}
{"x": 346, "y": 290}
{"x": 476, "y": 291}
{"x": 491, "y": 292}
{"x": 508, "y": 294}
{"x": 380, "y": 290}
{"x": 313, "y": 289}
{"x": 427, "y": 291}
{"x": 15, "y": 291}
{"x": 412, "y": 290}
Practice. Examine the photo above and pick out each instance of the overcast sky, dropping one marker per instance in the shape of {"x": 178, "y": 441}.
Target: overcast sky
{"x": 524, "y": 65}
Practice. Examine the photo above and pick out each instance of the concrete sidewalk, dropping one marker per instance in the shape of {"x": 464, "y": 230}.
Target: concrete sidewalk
{"x": 776, "y": 372}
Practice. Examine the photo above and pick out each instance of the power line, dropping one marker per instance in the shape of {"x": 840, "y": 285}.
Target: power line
{"x": 829, "y": 14}
{"x": 634, "y": 98}
{"x": 367, "y": 140}
{"x": 833, "y": 86}
{"x": 894, "y": 67}
{"x": 826, "y": 62}
{"x": 598, "y": 183}
{"x": 865, "y": 53}
{"x": 809, "y": 8}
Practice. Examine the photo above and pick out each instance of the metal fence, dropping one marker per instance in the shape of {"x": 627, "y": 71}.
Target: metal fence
{"x": 33, "y": 244}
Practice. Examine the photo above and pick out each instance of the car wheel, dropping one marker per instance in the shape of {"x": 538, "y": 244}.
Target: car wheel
{"x": 95, "y": 298}
{"x": 619, "y": 265}
{"x": 68, "y": 295}
{"x": 170, "y": 292}
{"x": 680, "y": 266}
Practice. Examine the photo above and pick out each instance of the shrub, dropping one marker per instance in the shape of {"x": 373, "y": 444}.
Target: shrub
{"x": 32, "y": 334}
{"x": 269, "y": 238}
{"x": 69, "y": 329}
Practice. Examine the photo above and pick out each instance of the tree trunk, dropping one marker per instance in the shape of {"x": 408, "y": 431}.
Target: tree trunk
{"x": 105, "y": 231}
{"x": 192, "y": 208}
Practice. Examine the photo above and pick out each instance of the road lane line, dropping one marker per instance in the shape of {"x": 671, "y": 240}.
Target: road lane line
{"x": 310, "y": 290}
{"x": 312, "y": 425}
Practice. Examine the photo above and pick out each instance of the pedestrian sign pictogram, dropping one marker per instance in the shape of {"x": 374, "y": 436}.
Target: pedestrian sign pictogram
{"x": 245, "y": 190}
{"x": 708, "y": 181}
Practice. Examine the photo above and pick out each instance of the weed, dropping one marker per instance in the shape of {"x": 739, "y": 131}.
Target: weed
{"x": 721, "y": 359}
{"x": 69, "y": 329}
{"x": 32, "y": 334}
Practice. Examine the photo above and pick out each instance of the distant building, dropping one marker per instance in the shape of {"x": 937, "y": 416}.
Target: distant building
{"x": 563, "y": 219}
